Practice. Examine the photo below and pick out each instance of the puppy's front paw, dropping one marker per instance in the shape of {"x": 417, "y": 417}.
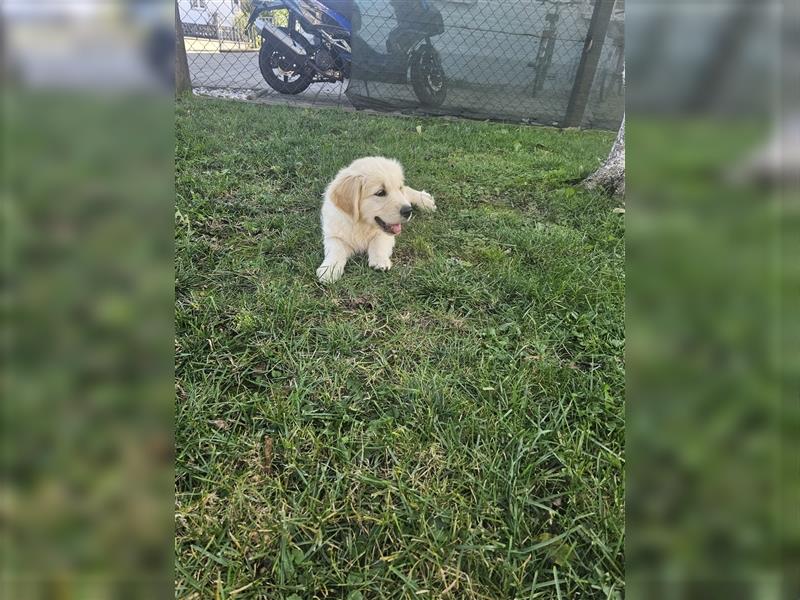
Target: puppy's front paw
{"x": 380, "y": 264}
{"x": 329, "y": 273}
{"x": 426, "y": 202}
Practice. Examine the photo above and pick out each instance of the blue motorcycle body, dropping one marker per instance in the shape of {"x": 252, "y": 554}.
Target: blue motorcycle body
{"x": 316, "y": 41}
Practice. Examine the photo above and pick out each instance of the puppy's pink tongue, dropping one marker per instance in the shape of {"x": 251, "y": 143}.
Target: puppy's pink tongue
{"x": 395, "y": 229}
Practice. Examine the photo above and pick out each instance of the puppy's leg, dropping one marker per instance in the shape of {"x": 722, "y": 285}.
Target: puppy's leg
{"x": 336, "y": 255}
{"x": 380, "y": 252}
{"x": 422, "y": 199}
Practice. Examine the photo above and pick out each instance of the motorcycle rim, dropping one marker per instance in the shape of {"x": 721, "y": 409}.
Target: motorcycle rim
{"x": 428, "y": 78}
{"x": 285, "y": 75}
{"x": 280, "y": 73}
{"x": 434, "y": 75}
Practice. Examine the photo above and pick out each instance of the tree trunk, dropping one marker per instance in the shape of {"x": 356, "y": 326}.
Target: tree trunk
{"x": 611, "y": 174}
{"x": 183, "y": 81}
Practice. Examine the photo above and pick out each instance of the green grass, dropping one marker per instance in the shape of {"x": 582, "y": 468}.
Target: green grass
{"x": 453, "y": 428}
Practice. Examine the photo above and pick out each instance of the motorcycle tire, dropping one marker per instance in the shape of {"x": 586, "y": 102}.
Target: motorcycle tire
{"x": 427, "y": 76}
{"x": 268, "y": 63}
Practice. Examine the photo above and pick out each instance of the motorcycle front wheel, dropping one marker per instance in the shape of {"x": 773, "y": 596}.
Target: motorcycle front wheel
{"x": 279, "y": 71}
{"x": 427, "y": 76}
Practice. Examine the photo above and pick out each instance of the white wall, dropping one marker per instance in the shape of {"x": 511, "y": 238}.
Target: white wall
{"x": 226, "y": 9}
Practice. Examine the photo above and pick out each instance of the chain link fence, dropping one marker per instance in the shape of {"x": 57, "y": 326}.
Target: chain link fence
{"x": 553, "y": 62}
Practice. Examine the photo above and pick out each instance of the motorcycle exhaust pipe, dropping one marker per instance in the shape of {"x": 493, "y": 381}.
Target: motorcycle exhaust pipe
{"x": 283, "y": 40}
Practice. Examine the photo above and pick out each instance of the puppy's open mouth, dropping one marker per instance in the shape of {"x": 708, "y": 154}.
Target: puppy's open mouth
{"x": 390, "y": 229}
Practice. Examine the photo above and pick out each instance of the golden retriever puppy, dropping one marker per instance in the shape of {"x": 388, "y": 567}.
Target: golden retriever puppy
{"x": 364, "y": 208}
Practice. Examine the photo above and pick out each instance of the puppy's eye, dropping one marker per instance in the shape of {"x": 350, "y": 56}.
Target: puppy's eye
{"x": 380, "y": 193}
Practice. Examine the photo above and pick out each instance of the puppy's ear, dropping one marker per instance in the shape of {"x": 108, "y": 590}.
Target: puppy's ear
{"x": 346, "y": 192}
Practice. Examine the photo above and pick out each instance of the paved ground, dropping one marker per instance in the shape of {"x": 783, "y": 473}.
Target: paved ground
{"x": 236, "y": 75}
{"x": 239, "y": 70}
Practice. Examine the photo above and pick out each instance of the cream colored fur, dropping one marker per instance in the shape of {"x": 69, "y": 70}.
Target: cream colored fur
{"x": 352, "y": 208}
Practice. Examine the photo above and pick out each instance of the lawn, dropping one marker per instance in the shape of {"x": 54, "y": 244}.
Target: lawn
{"x": 453, "y": 428}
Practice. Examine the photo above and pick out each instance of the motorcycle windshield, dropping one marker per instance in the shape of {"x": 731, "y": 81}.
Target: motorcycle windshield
{"x": 515, "y": 59}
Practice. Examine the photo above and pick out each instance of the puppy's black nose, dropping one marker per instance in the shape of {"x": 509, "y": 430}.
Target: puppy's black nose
{"x": 405, "y": 212}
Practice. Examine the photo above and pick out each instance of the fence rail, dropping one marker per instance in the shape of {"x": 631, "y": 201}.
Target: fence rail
{"x": 212, "y": 32}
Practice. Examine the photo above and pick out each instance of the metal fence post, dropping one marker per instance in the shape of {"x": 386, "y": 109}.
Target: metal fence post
{"x": 183, "y": 81}
{"x": 592, "y": 47}
{"x": 544, "y": 56}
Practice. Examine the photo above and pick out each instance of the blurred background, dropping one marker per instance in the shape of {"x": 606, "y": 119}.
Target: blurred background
{"x": 712, "y": 284}
{"x": 87, "y": 411}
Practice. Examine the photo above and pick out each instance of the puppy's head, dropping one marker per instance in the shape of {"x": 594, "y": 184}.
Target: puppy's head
{"x": 370, "y": 191}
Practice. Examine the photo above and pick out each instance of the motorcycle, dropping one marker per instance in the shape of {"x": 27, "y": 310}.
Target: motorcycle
{"x": 318, "y": 40}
